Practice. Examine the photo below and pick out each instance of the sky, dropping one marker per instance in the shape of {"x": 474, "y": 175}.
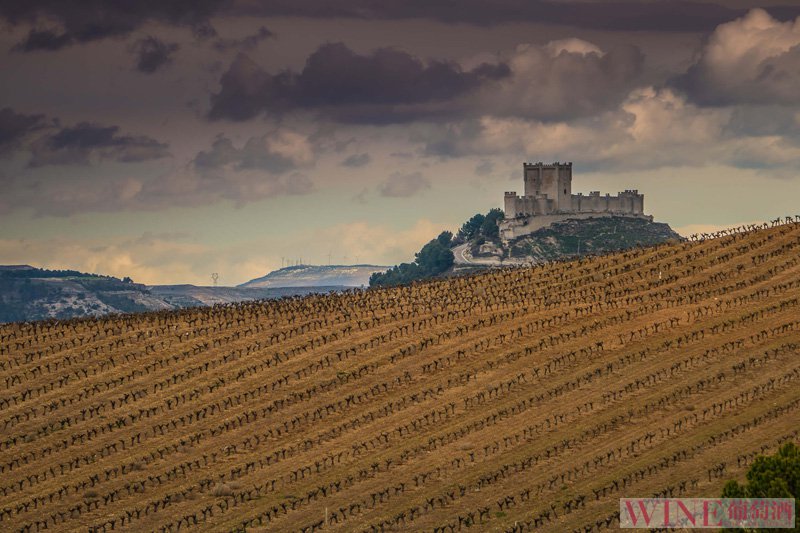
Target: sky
{"x": 168, "y": 139}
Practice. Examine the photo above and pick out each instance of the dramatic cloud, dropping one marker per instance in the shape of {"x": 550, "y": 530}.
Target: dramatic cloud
{"x": 59, "y": 24}
{"x": 16, "y": 127}
{"x": 356, "y": 160}
{"x": 752, "y": 60}
{"x": 675, "y": 15}
{"x": 86, "y": 143}
{"x": 246, "y": 43}
{"x": 276, "y": 152}
{"x": 263, "y": 167}
{"x": 562, "y": 79}
{"x": 152, "y": 54}
{"x": 401, "y": 185}
{"x": 387, "y": 85}
{"x": 55, "y": 24}
{"x": 565, "y": 78}
{"x": 651, "y": 129}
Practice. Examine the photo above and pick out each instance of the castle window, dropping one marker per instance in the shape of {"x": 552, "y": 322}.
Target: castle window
{"x": 565, "y": 191}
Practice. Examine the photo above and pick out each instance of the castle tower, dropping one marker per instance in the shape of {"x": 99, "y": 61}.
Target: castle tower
{"x": 510, "y": 204}
{"x": 564, "y": 193}
{"x": 554, "y": 181}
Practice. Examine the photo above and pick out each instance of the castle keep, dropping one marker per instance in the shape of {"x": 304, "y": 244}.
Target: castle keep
{"x": 548, "y": 198}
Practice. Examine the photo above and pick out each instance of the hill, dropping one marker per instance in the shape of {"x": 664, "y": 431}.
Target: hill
{"x": 28, "y": 293}
{"x": 577, "y": 237}
{"x": 316, "y": 276}
{"x": 564, "y": 240}
{"x": 527, "y": 397}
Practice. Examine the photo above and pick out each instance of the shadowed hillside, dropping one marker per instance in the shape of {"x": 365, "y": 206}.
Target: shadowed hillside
{"x": 529, "y": 396}
{"x": 577, "y": 237}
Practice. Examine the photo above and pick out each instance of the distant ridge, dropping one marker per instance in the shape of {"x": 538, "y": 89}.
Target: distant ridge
{"x": 316, "y": 276}
{"x": 30, "y": 293}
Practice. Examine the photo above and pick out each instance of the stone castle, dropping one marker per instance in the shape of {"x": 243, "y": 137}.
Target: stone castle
{"x": 548, "y": 198}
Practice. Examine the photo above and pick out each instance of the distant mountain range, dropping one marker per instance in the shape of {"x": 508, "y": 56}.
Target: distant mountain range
{"x": 29, "y": 293}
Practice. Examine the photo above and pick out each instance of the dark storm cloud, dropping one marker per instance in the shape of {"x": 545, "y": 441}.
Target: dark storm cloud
{"x": 380, "y": 87}
{"x": 85, "y": 142}
{"x": 556, "y": 81}
{"x": 245, "y": 43}
{"x": 763, "y": 120}
{"x": 152, "y": 54}
{"x": 605, "y": 15}
{"x": 16, "y": 128}
{"x": 58, "y": 23}
{"x": 258, "y": 153}
{"x": 356, "y": 160}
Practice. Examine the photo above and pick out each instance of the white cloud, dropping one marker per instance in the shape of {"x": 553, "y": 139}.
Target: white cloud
{"x": 573, "y": 46}
{"x": 561, "y": 79}
{"x": 754, "y": 59}
{"x": 652, "y": 128}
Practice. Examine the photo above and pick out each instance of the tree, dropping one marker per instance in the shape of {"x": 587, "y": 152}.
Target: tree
{"x": 776, "y": 476}
{"x": 472, "y": 227}
{"x": 434, "y": 258}
{"x": 445, "y": 238}
{"x": 489, "y": 227}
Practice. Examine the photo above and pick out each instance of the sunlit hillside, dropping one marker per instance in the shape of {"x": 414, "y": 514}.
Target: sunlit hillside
{"x": 513, "y": 400}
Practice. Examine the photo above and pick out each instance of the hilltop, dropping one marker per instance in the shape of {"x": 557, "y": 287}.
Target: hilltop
{"x": 526, "y": 397}
{"x": 316, "y": 276}
{"x": 28, "y": 293}
{"x": 575, "y": 237}
{"x": 478, "y": 245}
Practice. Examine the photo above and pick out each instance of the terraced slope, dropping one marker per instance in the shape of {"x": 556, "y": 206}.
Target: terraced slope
{"x": 534, "y": 397}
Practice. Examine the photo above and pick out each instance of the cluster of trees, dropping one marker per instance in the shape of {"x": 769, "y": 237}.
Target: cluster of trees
{"x": 29, "y": 273}
{"x": 433, "y": 259}
{"x": 481, "y": 227}
{"x": 36, "y": 273}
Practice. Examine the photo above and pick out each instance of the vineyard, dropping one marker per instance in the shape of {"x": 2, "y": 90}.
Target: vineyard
{"x": 518, "y": 399}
